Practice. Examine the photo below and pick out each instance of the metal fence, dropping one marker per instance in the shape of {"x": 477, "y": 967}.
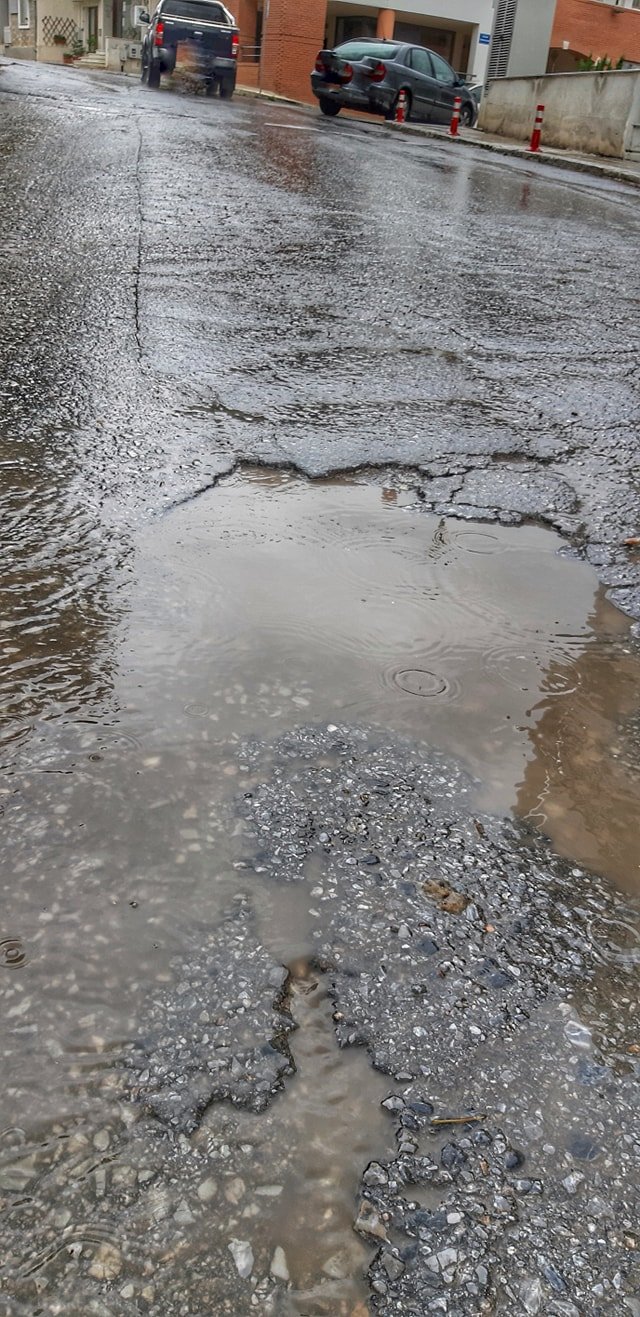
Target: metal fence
{"x": 249, "y": 54}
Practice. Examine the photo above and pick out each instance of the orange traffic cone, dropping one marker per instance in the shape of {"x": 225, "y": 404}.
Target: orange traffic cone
{"x": 401, "y": 107}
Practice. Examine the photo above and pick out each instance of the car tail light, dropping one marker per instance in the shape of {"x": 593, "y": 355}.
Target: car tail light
{"x": 320, "y": 64}
{"x": 157, "y": 40}
{"x": 235, "y": 45}
{"x": 378, "y": 72}
{"x": 346, "y": 73}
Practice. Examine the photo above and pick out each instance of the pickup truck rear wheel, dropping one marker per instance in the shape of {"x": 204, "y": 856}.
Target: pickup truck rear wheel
{"x": 227, "y": 88}
{"x": 329, "y": 107}
{"x": 154, "y": 74}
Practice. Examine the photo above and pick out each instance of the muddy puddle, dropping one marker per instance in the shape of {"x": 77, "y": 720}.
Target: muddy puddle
{"x": 264, "y": 604}
{"x": 288, "y": 600}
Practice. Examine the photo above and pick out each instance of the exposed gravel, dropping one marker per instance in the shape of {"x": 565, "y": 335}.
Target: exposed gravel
{"x": 468, "y": 959}
{"x": 199, "y": 1045}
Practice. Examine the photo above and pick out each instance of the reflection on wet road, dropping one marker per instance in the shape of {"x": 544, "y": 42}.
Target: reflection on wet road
{"x": 176, "y": 308}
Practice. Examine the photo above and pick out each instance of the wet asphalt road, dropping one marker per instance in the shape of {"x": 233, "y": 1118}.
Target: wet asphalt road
{"x": 188, "y": 286}
{"x": 248, "y": 282}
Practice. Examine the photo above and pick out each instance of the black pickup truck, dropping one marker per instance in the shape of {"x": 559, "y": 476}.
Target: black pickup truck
{"x": 205, "y": 29}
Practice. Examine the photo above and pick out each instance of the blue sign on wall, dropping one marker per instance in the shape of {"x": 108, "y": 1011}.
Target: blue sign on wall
{"x": 485, "y": 38}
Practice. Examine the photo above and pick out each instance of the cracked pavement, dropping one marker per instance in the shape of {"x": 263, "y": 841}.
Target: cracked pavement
{"x": 256, "y": 284}
{"x": 291, "y": 1025}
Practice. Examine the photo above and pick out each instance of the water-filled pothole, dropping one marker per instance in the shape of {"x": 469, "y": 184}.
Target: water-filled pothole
{"x": 279, "y": 599}
{"x": 266, "y": 604}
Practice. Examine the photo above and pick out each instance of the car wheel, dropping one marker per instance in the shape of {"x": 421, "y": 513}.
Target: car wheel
{"x": 227, "y": 88}
{"x": 467, "y": 116}
{"x": 154, "y": 74}
{"x": 329, "y": 107}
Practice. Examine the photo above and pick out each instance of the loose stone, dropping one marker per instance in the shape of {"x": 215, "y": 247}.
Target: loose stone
{"x": 242, "y": 1254}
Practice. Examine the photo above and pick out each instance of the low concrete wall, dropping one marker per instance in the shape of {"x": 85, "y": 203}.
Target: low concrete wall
{"x": 594, "y": 112}
{"x": 116, "y": 56}
{"x": 51, "y": 54}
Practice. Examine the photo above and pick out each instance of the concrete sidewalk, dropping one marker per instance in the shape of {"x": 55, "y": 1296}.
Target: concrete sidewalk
{"x": 607, "y": 167}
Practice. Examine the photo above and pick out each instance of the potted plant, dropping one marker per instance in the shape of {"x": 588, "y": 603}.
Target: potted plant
{"x": 59, "y": 39}
{"x": 77, "y": 48}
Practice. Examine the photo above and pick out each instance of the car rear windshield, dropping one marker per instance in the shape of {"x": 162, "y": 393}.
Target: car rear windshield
{"x": 355, "y": 50}
{"x": 202, "y": 13}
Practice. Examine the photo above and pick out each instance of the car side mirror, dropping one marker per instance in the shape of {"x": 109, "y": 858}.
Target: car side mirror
{"x": 143, "y": 16}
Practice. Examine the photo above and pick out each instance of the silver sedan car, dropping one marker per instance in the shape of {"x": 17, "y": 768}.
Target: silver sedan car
{"x": 369, "y": 74}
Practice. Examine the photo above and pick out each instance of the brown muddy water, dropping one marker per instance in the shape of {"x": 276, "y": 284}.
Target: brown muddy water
{"x": 265, "y": 603}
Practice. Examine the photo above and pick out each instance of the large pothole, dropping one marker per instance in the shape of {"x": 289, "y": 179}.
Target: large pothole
{"x": 374, "y": 687}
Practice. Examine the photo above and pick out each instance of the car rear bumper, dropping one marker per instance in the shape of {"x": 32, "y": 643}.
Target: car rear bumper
{"x": 208, "y": 62}
{"x": 377, "y": 101}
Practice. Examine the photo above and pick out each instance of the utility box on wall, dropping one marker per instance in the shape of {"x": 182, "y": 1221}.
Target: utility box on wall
{"x": 521, "y": 38}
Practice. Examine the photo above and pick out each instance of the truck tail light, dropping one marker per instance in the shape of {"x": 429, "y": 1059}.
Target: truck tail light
{"x": 235, "y": 45}
{"x": 158, "y": 39}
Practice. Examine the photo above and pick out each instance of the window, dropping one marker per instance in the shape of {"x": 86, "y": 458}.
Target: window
{"x": 439, "y": 39}
{"x": 24, "y": 17}
{"x": 505, "y": 17}
{"x": 442, "y": 70}
{"x": 204, "y": 13}
{"x": 420, "y": 60}
{"x": 347, "y": 29}
{"x": 355, "y": 50}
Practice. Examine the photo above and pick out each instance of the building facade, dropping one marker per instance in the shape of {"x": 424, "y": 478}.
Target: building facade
{"x": 18, "y": 31}
{"x": 600, "y": 29}
{"x": 47, "y": 29}
{"x": 280, "y": 39}
{"x": 520, "y": 38}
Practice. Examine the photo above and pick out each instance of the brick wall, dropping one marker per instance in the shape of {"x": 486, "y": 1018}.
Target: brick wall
{"x": 293, "y": 35}
{"x": 593, "y": 28}
{"x": 248, "y": 74}
{"x": 245, "y": 12}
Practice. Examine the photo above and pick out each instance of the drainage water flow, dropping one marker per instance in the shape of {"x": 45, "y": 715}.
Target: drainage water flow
{"x": 297, "y": 1166}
